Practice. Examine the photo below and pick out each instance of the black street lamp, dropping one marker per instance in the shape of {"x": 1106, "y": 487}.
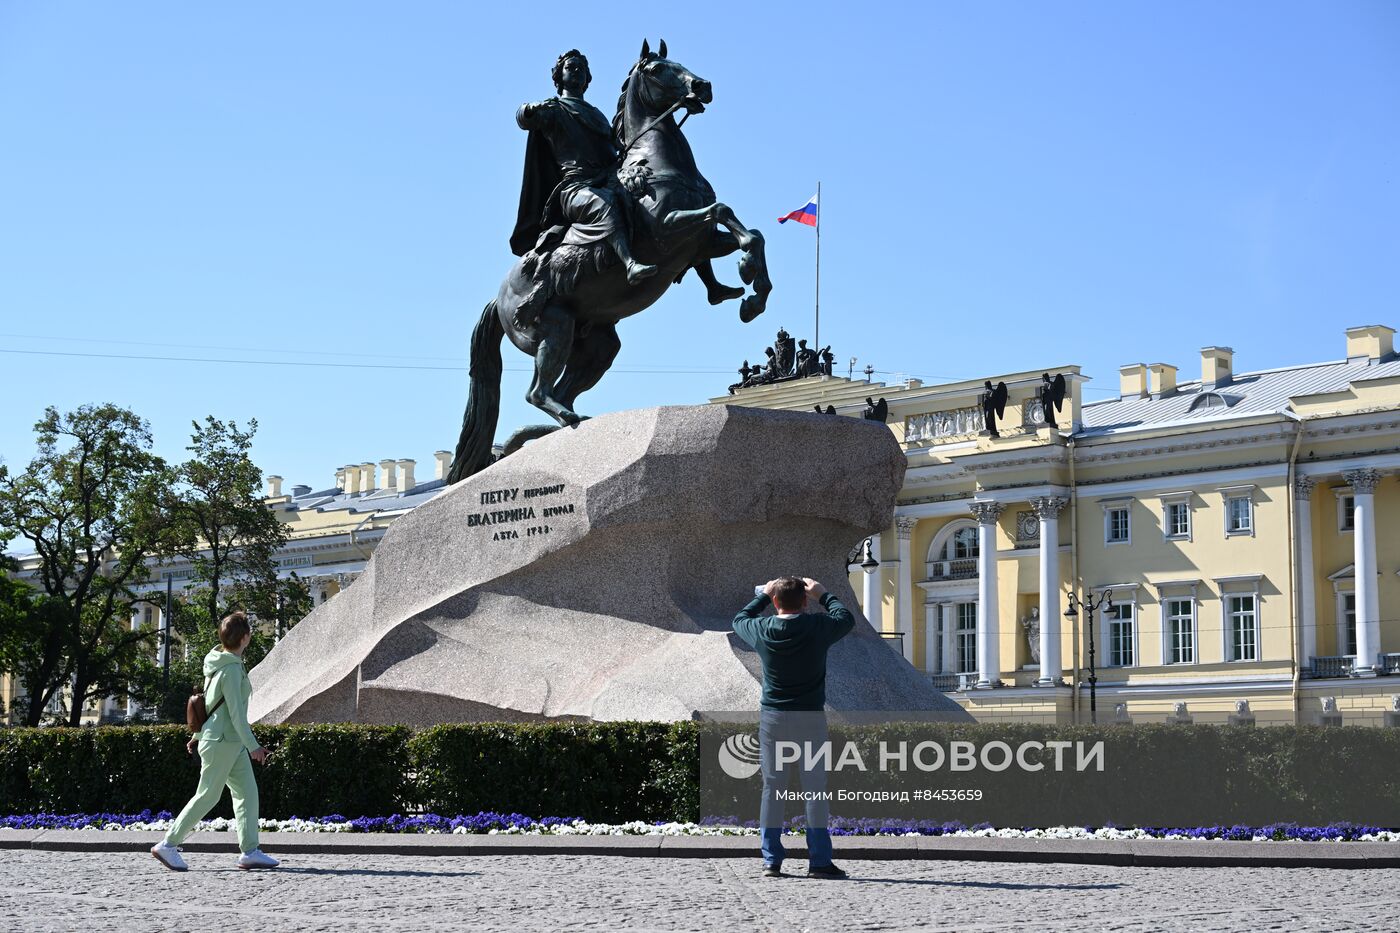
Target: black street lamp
{"x": 1090, "y": 607}
{"x": 870, "y": 563}
{"x": 165, "y": 619}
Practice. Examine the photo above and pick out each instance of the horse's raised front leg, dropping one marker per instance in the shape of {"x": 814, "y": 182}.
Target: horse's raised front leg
{"x": 753, "y": 264}
{"x": 555, "y": 334}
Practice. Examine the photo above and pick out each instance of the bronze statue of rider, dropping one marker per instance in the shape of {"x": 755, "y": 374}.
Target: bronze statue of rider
{"x": 570, "y": 164}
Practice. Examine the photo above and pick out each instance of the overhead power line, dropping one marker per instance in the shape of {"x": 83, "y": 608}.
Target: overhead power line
{"x": 930, "y": 378}
{"x": 204, "y": 346}
{"x": 302, "y": 363}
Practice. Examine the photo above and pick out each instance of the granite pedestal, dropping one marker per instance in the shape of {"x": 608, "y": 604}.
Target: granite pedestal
{"x": 594, "y": 573}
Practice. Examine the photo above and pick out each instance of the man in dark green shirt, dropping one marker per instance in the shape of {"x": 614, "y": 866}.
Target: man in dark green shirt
{"x": 792, "y": 646}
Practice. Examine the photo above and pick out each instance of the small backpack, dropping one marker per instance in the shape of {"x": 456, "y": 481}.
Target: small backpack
{"x": 195, "y": 713}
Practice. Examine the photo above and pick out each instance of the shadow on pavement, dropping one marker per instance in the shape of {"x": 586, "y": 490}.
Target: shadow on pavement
{"x": 368, "y": 872}
{"x": 994, "y": 885}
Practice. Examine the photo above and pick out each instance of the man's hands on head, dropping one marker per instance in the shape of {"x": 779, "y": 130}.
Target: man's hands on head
{"x": 814, "y": 588}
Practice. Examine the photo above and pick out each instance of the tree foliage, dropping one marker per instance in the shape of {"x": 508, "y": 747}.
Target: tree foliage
{"x": 218, "y": 520}
{"x": 85, "y": 505}
{"x": 99, "y": 510}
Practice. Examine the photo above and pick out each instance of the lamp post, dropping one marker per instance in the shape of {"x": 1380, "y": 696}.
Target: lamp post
{"x": 870, "y": 563}
{"x": 1072, "y": 613}
{"x": 165, "y": 619}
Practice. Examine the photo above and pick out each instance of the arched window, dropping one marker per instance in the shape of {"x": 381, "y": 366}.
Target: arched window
{"x": 962, "y": 545}
{"x": 953, "y": 552}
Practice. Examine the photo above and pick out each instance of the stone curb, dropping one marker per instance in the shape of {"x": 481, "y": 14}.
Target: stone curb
{"x": 1146, "y": 853}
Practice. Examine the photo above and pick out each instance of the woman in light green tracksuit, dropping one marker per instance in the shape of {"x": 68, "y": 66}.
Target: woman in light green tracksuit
{"x": 226, "y": 745}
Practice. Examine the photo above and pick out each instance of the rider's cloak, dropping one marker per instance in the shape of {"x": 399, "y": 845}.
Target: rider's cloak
{"x": 541, "y": 178}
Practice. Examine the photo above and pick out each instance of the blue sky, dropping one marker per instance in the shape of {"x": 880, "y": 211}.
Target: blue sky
{"x": 1005, "y": 186}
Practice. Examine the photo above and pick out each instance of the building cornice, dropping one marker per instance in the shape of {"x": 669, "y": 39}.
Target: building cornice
{"x": 1095, "y": 450}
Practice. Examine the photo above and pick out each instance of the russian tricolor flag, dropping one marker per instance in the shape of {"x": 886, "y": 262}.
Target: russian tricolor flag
{"x": 806, "y": 215}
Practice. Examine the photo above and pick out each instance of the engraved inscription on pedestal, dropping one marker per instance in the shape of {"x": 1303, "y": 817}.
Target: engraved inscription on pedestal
{"x": 524, "y": 512}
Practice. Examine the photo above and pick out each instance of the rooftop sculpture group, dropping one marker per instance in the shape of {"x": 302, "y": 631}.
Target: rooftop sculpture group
{"x": 786, "y": 359}
{"x": 611, "y": 214}
{"x": 1050, "y": 394}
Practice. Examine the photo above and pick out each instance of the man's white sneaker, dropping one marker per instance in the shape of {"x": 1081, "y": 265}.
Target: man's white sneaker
{"x": 169, "y": 856}
{"x": 257, "y": 859}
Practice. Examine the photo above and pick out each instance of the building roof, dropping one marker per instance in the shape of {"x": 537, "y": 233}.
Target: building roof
{"x": 333, "y": 500}
{"x": 1267, "y": 392}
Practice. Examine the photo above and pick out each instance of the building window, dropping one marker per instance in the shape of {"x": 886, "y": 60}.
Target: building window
{"x": 1120, "y": 634}
{"x": 1346, "y": 513}
{"x": 957, "y": 558}
{"x": 1243, "y": 627}
{"x": 1239, "y": 515}
{"x": 963, "y": 545}
{"x": 148, "y": 616}
{"x": 1346, "y": 640}
{"x": 1116, "y": 527}
{"x": 1177, "y": 520}
{"x": 965, "y": 638}
{"x": 1180, "y": 617}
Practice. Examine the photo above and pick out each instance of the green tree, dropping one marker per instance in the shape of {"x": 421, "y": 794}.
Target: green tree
{"x": 20, "y": 631}
{"x": 219, "y": 521}
{"x": 221, "y": 525}
{"x": 85, "y": 504}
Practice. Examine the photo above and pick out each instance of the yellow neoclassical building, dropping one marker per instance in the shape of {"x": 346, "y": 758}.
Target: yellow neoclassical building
{"x": 1237, "y": 532}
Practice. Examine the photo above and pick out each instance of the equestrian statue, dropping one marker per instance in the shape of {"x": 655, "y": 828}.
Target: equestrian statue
{"x": 611, "y": 214}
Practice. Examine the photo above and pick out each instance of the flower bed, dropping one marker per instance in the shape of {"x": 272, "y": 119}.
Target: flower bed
{"x": 519, "y": 824}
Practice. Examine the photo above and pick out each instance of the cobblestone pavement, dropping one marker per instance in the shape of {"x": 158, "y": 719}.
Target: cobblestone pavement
{"x": 118, "y": 891}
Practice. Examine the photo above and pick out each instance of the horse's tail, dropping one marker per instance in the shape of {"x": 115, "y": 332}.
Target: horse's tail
{"x": 483, "y": 398}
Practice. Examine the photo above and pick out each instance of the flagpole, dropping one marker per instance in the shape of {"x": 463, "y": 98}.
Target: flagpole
{"x": 817, "y": 338}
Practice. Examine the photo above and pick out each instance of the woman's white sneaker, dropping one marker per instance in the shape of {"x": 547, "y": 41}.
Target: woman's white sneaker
{"x": 257, "y": 859}
{"x": 169, "y": 856}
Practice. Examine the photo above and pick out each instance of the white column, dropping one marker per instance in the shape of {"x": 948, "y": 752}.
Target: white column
{"x": 131, "y": 705}
{"x": 1368, "y": 610}
{"x": 933, "y": 638}
{"x": 949, "y": 614}
{"x": 872, "y": 594}
{"x": 903, "y": 599}
{"x": 1047, "y": 509}
{"x": 1307, "y": 596}
{"x": 988, "y": 618}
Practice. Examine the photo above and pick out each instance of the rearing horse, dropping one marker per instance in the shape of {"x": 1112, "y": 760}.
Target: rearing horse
{"x": 677, "y": 224}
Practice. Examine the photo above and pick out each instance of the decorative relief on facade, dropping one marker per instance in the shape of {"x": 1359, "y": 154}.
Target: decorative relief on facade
{"x": 1303, "y": 487}
{"x": 1027, "y": 529}
{"x": 939, "y": 427}
{"x": 942, "y": 426}
{"x": 1032, "y": 415}
{"x": 904, "y": 527}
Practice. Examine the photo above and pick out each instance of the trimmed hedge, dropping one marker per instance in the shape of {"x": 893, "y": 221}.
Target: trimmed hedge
{"x": 615, "y": 772}
{"x": 605, "y": 772}
{"x": 357, "y": 769}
